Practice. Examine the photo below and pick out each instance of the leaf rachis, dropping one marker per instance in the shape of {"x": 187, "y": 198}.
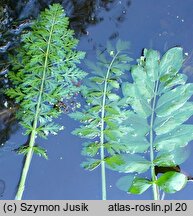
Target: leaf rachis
{"x": 103, "y": 176}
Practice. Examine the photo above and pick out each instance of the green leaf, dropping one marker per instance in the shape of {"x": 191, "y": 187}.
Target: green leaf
{"x": 95, "y": 108}
{"x": 23, "y": 150}
{"x": 135, "y": 144}
{"x": 142, "y": 82}
{"x": 98, "y": 80}
{"x": 152, "y": 64}
{"x": 171, "y": 182}
{"x": 178, "y": 79}
{"x": 39, "y": 81}
{"x": 157, "y": 107}
{"x": 139, "y": 185}
{"x": 112, "y": 134}
{"x": 51, "y": 127}
{"x": 122, "y": 45}
{"x": 179, "y": 137}
{"x": 114, "y": 83}
{"x": 137, "y": 124}
{"x": 90, "y": 149}
{"x": 94, "y": 68}
{"x": 114, "y": 161}
{"x": 113, "y": 97}
{"x": 166, "y": 124}
{"x": 91, "y": 164}
{"x": 115, "y": 147}
{"x": 125, "y": 182}
{"x": 173, "y": 100}
{"x": 40, "y": 152}
{"x": 139, "y": 103}
{"x": 44, "y": 72}
{"x": 86, "y": 132}
{"x": 15, "y": 93}
{"x": 168, "y": 159}
{"x": 112, "y": 110}
{"x": 172, "y": 61}
{"x": 81, "y": 117}
{"x": 126, "y": 89}
{"x": 128, "y": 163}
{"x": 110, "y": 48}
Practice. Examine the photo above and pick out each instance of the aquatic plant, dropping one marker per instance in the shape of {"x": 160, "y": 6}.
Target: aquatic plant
{"x": 158, "y": 109}
{"x": 44, "y": 72}
{"x": 100, "y": 116}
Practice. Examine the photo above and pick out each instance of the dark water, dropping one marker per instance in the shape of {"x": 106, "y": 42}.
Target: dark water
{"x": 2, "y": 187}
{"x": 146, "y": 24}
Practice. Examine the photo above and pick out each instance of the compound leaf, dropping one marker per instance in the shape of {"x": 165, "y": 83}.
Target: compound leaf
{"x": 171, "y": 182}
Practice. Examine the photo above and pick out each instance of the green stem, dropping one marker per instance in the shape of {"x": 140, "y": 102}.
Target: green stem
{"x": 29, "y": 155}
{"x": 102, "y": 154}
{"x": 154, "y": 178}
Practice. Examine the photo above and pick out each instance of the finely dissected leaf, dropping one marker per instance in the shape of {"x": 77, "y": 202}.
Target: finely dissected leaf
{"x": 158, "y": 105}
{"x": 23, "y": 150}
{"x": 101, "y": 115}
{"x": 87, "y": 117}
{"x": 171, "y": 182}
{"x": 44, "y": 73}
{"x": 40, "y": 152}
{"x": 58, "y": 72}
{"x": 48, "y": 128}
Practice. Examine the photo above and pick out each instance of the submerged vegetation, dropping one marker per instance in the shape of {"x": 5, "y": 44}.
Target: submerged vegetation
{"x": 137, "y": 127}
{"x": 44, "y": 73}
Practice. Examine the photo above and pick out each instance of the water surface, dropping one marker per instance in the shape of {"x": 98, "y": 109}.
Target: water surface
{"x": 146, "y": 24}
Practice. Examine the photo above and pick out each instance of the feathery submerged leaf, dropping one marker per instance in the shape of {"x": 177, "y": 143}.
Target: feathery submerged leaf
{"x": 44, "y": 72}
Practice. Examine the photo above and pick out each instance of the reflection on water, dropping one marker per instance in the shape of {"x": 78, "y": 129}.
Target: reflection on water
{"x": 8, "y": 122}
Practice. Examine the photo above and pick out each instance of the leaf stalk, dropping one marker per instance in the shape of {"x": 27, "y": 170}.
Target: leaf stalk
{"x": 102, "y": 153}
{"x": 29, "y": 155}
{"x": 154, "y": 178}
